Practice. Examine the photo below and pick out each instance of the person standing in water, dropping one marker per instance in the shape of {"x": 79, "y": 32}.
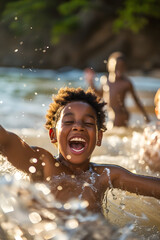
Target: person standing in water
{"x": 118, "y": 85}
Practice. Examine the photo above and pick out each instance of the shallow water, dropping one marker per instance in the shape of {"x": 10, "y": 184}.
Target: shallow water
{"x": 26, "y": 93}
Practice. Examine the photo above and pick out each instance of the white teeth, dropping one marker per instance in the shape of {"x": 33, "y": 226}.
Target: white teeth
{"x": 77, "y": 139}
{"x": 78, "y": 150}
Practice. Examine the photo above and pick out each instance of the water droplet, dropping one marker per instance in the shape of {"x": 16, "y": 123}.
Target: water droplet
{"x": 35, "y": 217}
{"x": 86, "y": 184}
{"x": 57, "y": 164}
{"x": 43, "y": 188}
{"x": 50, "y": 226}
{"x": 32, "y": 169}
{"x": 67, "y": 205}
{"x": 59, "y": 188}
{"x": 48, "y": 179}
{"x": 18, "y": 176}
{"x": 72, "y": 223}
{"x": 33, "y": 160}
{"x": 84, "y": 204}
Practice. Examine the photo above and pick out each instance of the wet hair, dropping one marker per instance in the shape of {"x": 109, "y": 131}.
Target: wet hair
{"x": 67, "y": 95}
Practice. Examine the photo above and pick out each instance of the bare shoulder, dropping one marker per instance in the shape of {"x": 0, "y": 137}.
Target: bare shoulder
{"x": 43, "y": 153}
{"x": 99, "y": 168}
{"x": 114, "y": 171}
{"x": 45, "y": 162}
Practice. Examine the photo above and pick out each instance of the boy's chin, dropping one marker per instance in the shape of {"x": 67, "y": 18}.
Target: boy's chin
{"x": 77, "y": 160}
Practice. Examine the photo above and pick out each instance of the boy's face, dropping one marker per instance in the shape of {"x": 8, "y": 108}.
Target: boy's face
{"x": 77, "y": 133}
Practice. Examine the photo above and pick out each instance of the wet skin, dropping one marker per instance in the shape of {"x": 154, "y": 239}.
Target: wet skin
{"x": 71, "y": 174}
{"x": 77, "y": 135}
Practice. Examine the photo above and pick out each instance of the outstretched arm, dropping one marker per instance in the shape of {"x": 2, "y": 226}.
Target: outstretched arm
{"x": 89, "y": 77}
{"x": 138, "y": 103}
{"x": 143, "y": 185}
{"x": 118, "y": 177}
{"x": 22, "y": 156}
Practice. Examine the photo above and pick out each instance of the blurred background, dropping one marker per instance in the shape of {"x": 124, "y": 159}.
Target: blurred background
{"x": 47, "y": 44}
{"x": 79, "y": 33}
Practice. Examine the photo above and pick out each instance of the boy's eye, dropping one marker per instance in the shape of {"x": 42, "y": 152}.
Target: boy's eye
{"x": 68, "y": 122}
{"x": 89, "y": 123}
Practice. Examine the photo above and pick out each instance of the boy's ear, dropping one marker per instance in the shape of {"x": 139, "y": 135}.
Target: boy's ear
{"x": 100, "y": 135}
{"x": 52, "y": 134}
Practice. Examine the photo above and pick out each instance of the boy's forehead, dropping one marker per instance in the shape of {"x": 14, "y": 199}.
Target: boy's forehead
{"x": 76, "y": 106}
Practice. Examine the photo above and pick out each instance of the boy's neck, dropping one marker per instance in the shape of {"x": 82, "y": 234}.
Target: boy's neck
{"x": 73, "y": 168}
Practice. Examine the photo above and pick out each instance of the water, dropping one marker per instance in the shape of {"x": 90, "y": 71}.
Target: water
{"x": 26, "y": 93}
{"x": 29, "y": 211}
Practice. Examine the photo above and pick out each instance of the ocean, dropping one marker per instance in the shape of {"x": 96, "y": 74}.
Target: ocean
{"x": 26, "y": 93}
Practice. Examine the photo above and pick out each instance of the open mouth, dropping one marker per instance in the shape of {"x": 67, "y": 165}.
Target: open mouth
{"x": 77, "y": 144}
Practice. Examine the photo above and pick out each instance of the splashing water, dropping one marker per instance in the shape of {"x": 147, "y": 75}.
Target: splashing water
{"x": 30, "y": 211}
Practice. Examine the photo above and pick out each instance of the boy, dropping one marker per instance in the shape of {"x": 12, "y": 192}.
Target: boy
{"x": 76, "y": 121}
{"x": 119, "y": 85}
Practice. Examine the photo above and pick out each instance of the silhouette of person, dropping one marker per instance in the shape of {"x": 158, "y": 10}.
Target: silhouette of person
{"x": 117, "y": 85}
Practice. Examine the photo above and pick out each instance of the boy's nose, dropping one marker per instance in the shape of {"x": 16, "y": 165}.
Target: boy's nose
{"x": 78, "y": 127}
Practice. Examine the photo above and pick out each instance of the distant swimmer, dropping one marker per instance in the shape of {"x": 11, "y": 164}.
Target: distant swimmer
{"x": 118, "y": 85}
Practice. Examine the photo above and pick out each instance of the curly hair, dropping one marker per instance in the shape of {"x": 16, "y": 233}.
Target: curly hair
{"x": 67, "y": 95}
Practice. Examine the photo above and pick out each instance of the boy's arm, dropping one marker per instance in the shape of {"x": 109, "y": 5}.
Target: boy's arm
{"x": 22, "y": 156}
{"x": 143, "y": 185}
{"x": 138, "y": 102}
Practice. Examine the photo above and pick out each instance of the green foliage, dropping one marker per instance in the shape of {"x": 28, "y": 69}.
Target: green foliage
{"x": 22, "y": 15}
{"x": 70, "y": 7}
{"x": 69, "y": 20}
{"x": 135, "y": 14}
{"x": 58, "y": 17}
{"x": 61, "y": 17}
{"x": 63, "y": 27}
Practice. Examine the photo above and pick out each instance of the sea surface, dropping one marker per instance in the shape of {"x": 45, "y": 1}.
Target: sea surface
{"x": 29, "y": 211}
{"x": 25, "y": 94}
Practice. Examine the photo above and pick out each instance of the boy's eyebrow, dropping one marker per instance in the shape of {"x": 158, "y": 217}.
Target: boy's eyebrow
{"x": 87, "y": 115}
